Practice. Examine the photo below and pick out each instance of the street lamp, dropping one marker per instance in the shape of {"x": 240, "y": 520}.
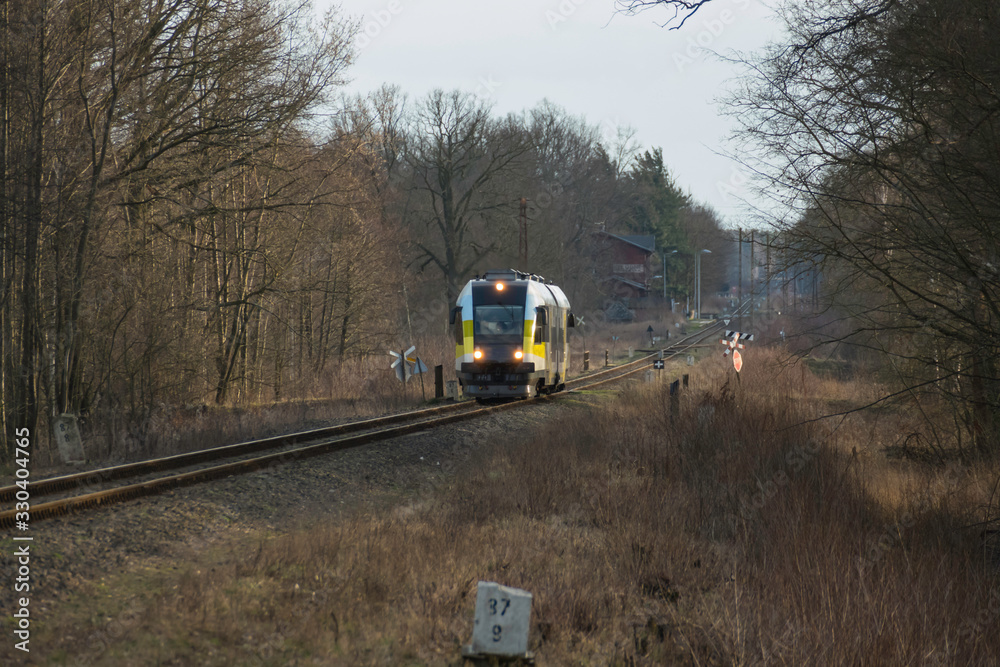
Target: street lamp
{"x": 687, "y": 307}
{"x": 697, "y": 277}
{"x": 697, "y": 264}
{"x": 664, "y": 284}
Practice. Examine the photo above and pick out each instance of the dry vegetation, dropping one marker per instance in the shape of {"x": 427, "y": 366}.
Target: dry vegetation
{"x": 261, "y": 237}
{"x": 355, "y": 388}
{"x": 743, "y": 533}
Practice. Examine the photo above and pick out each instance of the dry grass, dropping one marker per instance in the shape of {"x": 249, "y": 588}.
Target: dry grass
{"x": 597, "y": 336}
{"x": 356, "y": 388}
{"x": 742, "y": 533}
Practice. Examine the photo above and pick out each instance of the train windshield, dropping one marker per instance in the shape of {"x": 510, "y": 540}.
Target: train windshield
{"x": 499, "y": 323}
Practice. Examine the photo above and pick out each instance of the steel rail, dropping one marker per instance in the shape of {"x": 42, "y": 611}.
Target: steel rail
{"x": 159, "y": 485}
{"x": 673, "y": 350}
{"x": 380, "y": 428}
{"x": 90, "y": 478}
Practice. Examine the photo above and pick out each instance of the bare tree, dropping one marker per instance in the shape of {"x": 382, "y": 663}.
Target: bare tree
{"x": 458, "y": 156}
{"x": 572, "y": 188}
{"x": 7, "y": 236}
{"x": 35, "y": 57}
{"x": 148, "y": 142}
{"x": 681, "y": 10}
{"x": 193, "y": 111}
{"x": 882, "y": 136}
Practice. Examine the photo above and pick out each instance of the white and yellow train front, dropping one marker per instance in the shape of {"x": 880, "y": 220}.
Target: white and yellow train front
{"x": 510, "y": 336}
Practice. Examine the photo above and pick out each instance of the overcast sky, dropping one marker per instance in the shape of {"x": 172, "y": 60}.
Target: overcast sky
{"x": 613, "y": 69}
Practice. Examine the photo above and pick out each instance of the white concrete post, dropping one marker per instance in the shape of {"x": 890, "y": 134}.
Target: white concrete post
{"x": 68, "y": 438}
{"x": 503, "y": 617}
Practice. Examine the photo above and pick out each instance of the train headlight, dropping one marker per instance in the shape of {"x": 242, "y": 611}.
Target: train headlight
{"x": 478, "y": 354}
{"x": 519, "y": 355}
{"x": 499, "y": 287}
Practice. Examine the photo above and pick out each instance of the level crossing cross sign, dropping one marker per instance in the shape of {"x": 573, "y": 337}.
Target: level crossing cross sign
{"x": 402, "y": 364}
{"x": 734, "y": 345}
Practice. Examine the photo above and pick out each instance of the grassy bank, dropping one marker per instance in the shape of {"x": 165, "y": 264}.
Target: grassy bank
{"x": 740, "y": 533}
{"x": 356, "y": 388}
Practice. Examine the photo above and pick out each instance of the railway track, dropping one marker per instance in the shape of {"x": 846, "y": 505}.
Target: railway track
{"x": 92, "y": 489}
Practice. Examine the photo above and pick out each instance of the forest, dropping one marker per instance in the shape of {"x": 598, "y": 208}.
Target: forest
{"x": 875, "y": 125}
{"x": 193, "y": 211}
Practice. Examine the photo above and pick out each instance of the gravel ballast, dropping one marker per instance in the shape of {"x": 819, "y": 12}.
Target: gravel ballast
{"x": 70, "y": 554}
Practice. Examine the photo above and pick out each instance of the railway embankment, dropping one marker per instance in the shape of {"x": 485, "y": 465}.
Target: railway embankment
{"x": 746, "y": 529}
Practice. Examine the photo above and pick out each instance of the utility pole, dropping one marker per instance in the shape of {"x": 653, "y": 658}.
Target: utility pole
{"x": 739, "y": 300}
{"x": 752, "y": 267}
{"x": 697, "y": 269}
{"x": 664, "y": 254}
{"x": 697, "y": 282}
{"x": 767, "y": 261}
{"x": 406, "y": 304}
{"x": 522, "y": 242}
{"x": 815, "y": 273}
{"x": 785, "y": 303}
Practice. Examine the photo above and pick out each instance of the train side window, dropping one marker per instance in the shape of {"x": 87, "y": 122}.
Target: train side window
{"x": 457, "y": 326}
{"x": 541, "y": 325}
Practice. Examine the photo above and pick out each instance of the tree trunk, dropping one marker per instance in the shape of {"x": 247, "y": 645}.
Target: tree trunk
{"x": 25, "y": 395}
{"x": 7, "y": 256}
{"x": 346, "y": 319}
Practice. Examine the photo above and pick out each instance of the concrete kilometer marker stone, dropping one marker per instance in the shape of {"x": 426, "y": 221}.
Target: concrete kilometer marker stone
{"x": 503, "y": 617}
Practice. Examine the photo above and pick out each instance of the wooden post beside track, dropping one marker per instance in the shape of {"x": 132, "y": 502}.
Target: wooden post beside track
{"x": 675, "y": 399}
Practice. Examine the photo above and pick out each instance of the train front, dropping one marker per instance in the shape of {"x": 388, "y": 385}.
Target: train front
{"x": 491, "y": 338}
